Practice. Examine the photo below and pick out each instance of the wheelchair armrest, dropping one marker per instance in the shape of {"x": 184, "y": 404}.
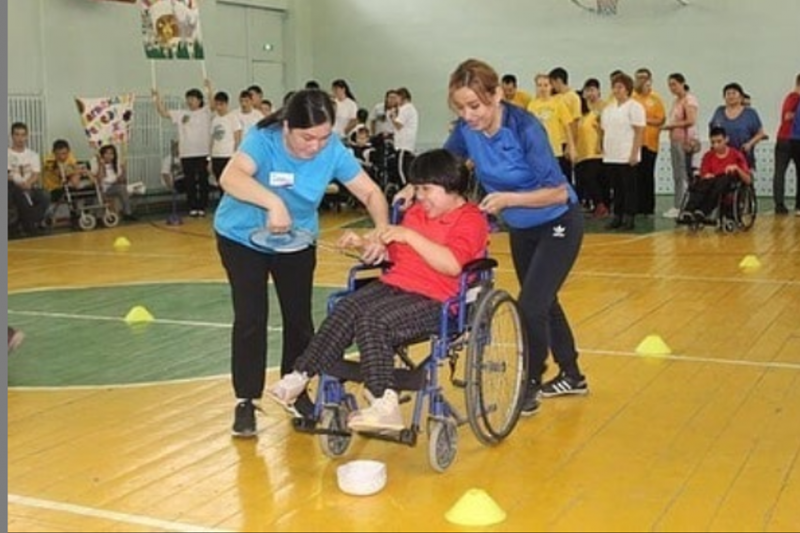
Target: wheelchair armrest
{"x": 479, "y": 265}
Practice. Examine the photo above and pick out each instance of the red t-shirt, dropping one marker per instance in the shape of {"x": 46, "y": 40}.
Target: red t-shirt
{"x": 789, "y": 105}
{"x": 464, "y": 231}
{"x": 714, "y": 165}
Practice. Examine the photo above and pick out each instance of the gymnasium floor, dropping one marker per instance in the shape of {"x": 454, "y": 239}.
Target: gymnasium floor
{"x": 126, "y": 428}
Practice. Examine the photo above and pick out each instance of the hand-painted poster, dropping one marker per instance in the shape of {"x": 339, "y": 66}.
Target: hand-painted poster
{"x": 106, "y": 120}
{"x": 171, "y": 29}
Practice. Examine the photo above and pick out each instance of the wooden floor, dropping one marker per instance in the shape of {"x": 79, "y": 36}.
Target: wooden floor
{"x": 706, "y": 439}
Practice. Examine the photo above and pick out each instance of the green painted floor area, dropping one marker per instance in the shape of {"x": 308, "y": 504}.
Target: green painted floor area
{"x": 76, "y": 337}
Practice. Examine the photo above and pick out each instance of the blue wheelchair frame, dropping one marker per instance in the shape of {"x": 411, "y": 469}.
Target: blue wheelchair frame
{"x": 458, "y": 329}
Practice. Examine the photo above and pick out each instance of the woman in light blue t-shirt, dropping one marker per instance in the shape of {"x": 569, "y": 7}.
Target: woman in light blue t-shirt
{"x": 277, "y": 179}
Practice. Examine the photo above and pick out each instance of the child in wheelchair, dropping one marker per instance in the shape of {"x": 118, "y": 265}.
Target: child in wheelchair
{"x": 439, "y": 234}
{"x": 721, "y": 168}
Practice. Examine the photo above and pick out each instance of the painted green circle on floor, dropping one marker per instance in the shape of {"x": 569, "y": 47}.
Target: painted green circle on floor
{"x": 77, "y": 337}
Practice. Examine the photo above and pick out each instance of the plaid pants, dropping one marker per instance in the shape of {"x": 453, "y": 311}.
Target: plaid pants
{"x": 379, "y": 318}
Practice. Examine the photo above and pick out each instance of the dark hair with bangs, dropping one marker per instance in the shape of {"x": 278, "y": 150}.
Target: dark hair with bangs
{"x": 440, "y": 167}
{"x": 303, "y": 109}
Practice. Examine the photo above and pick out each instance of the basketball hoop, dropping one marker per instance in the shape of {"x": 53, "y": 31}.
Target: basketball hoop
{"x": 598, "y": 7}
{"x": 606, "y": 7}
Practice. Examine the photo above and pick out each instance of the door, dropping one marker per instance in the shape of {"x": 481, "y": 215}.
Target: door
{"x": 269, "y": 76}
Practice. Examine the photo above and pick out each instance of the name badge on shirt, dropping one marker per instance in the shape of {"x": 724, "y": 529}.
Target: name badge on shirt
{"x": 281, "y": 179}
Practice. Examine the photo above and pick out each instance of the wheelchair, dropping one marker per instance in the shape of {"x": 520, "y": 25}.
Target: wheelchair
{"x": 736, "y": 210}
{"x": 481, "y": 324}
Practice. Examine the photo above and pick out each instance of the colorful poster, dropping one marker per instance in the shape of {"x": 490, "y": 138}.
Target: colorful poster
{"x": 171, "y": 29}
{"x": 106, "y": 120}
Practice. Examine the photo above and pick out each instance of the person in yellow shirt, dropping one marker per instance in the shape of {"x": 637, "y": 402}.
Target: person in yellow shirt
{"x": 512, "y": 94}
{"x": 556, "y": 119}
{"x": 655, "y": 115}
{"x": 589, "y": 173}
{"x": 62, "y": 169}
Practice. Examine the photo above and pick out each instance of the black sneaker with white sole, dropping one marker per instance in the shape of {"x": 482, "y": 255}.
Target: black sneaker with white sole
{"x": 563, "y": 385}
{"x": 244, "y": 419}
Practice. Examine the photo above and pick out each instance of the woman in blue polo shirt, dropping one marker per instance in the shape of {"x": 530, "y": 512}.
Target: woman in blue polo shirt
{"x": 516, "y": 166}
{"x": 277, "y": 180}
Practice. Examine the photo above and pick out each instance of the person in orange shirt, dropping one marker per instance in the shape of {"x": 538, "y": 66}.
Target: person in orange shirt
{"x": 655, "y": 116}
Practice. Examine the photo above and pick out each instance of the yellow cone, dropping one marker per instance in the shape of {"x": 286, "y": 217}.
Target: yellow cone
{"x": 750, "y": 262}
{"x": 475, "y": 508}
{"x": 138, "y": 315}
{"x": 653, "y": 345}
{"x": 122, "y": 243}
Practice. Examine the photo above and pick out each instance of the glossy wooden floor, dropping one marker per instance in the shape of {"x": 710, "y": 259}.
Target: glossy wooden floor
{"x": 707, "y": 439}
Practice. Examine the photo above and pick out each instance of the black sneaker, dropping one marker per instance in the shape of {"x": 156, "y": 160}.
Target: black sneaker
{"x": 530, "y": 403}
{"x": 244, "y": 419}
{"x": 781, "y": 209}
{"x": 563, "y": 385}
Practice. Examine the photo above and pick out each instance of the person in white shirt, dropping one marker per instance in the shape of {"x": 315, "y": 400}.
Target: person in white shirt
{"x": 194, "y": 140}
{"x": 24, "y": 171}
{"x": 380, "y": 123}
{"x": 405, "y": 122}
{"x": 346, "y": 108}
{"x": 226, "y": 134}
{"x": 623, "y": 121}
{"x": 109, "y": 172}
{"x": 248, "y": 115}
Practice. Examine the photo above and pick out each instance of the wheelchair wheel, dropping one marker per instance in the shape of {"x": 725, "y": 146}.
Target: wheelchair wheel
{"x": 745, "y": 207}
{"x": 87, "y": 222}
{"x": 442, "y": 443}
{"x": 496, "y": 367}
{"x": 334, "y": 418}
{"x": 110, "y": 219}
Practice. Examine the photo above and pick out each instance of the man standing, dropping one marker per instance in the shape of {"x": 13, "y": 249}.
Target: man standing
{"x": 783, "y": 151}
{"x": 655, "y": 116}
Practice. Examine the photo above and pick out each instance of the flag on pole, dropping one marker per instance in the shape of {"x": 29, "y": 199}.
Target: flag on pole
{"x": 171, "y": 29}
{"x": 106, "y": 120}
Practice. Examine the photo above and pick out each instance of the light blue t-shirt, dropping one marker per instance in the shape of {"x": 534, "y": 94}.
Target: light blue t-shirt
{"x": 300, "y": 183}
{"x": 517, "y": 158}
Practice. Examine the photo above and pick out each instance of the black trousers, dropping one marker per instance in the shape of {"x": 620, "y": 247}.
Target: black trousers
{"x": 590, "y": 176}
{"x": 379, "y": 318}
{"x": 646, "y": 185}
{"x": 195, "y": 172}
{"x": 624, "y": 184}
{"x": 248, "y": 272}
{"x": 31, "y": 206}
{"x": 704, "y": 194}
{"x": 543, "y": 257}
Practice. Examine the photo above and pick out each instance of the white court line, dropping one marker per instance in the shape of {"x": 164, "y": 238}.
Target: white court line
{"x": 74, "y": 316}
{"x": 121, "y": 284}
{"x": 125, "y": 253}
{"x": 678, "y": 277}
{"x": 694, "y": 359}
{"x": 91, "y": 512}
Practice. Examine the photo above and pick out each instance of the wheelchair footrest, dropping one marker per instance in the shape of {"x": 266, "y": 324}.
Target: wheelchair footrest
{"x": 405, "y": 379}
{"x": 305, "y": 425}
{"x": 404, "y": 436}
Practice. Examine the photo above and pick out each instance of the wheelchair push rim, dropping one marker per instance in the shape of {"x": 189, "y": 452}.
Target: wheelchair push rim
{"x": 496, "y": 367}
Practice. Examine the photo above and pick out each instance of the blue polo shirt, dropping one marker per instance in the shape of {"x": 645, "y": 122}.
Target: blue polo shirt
{"x": 516, "y": 158}
{"x": 300, "y": 183}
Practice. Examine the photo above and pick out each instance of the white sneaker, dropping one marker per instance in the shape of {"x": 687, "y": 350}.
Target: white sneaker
{"x": 672, "y": 212}
{"x": 383, "y": 415}
{"x": 286, "y": 391}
